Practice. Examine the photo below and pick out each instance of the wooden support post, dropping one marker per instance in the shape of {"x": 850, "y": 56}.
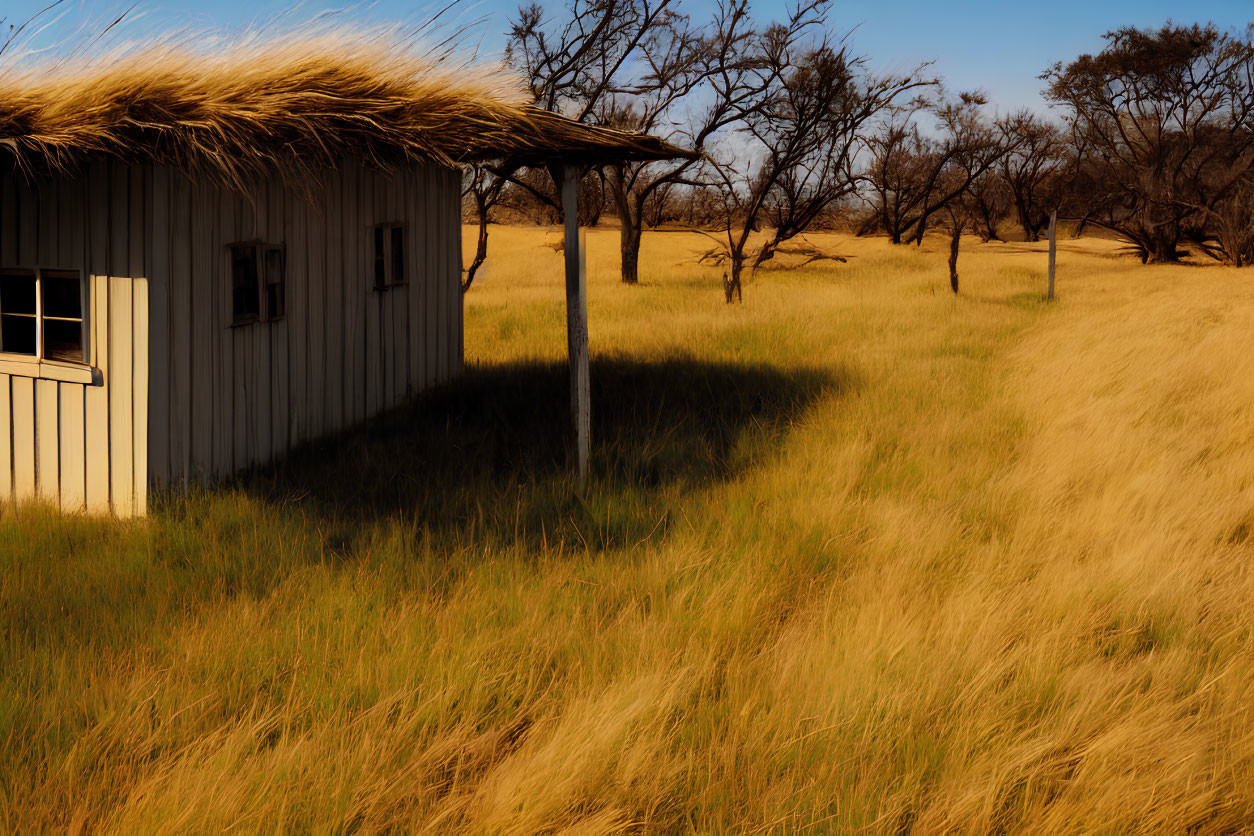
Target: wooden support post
{"x": 576, "y": 318}
{"x": 1053, "y": 250}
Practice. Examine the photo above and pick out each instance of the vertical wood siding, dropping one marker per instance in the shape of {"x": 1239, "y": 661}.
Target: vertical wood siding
{"x": 82, "y": 447}
{"x": 343, "y": 352}
{"x": 180, "y": 395}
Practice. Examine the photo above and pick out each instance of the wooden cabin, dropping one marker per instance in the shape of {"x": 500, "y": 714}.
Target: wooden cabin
{"x": 206, "y": 260}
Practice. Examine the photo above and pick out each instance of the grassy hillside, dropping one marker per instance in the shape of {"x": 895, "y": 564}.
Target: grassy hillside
{"x": 856, "y": 555}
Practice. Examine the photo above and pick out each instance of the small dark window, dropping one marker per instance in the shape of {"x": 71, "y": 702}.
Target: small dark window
{"x": 380, "y": 260}
{"x": 245, "y": 284}
{"x": 398, "y": 255}
{"x": 258, "y": 292}
{"x": 62, "y": 315}
{"x": 18, "y": 312}
{"x": 389, "y": 255}
{"x": 41, "y": 314}
{"x": 276, "y": 295}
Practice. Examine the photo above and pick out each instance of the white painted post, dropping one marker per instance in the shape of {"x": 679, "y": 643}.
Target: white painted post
{"x": 576, "y": 319}
{"x": 1053, "y": 249}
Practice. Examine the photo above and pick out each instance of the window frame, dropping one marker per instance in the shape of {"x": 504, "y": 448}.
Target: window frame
{"x": 389, "y": 262}
{"x": 38, "y": 365}
{"x": 261, "y": 249}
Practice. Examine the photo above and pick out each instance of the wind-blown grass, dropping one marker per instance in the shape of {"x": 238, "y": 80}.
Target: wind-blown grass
{"x": 856, "y": 555}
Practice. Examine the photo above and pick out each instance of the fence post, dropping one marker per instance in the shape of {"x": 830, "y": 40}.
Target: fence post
{"x": 1053, "y": 249}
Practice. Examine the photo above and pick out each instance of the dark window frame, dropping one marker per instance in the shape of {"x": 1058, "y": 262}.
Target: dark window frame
{"x": 41, "y": 353}
{"x": 388, "y": 260}
{"x": 265, "y": 301}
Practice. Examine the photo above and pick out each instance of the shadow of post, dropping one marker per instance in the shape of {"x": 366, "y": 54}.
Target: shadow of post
{"x": 486, "y": 458}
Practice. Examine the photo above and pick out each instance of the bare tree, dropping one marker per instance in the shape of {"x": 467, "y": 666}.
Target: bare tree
{"x": 571, "y": 68}
{"x": 989, "y": 202}
{"x": 680, "y": 63}
{"x": 912, "y": 177}
{"x": 1038, "y": 152}
{"x": 1166, "y": 121}
{"x": 802, "y": 104}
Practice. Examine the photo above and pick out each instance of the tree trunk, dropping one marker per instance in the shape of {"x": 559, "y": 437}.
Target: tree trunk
{"x": 731, "y": 285}
{"x": 629, "y": 225}
{"x": 481, "y": 248}
{"x": 1031, "y": 232}
{"x": 629, "y": 244}
{"x": 955, "y": 238}
{"x": 1161, "y": 245}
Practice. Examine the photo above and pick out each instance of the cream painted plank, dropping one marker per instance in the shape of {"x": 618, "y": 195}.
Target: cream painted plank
{"x": 413, "y": 252}
{"x": 121, "y": 396}
{"x": 240, "y": 359}
{"x": 139, "y": 391}
{"x": 180, "y": 329}
{"x": 158, "y": 332}
{"x": 333, "y": 305}
{"x": 259, "y": 418}
{"x": 47, "y": 436}
{"x": 241, "y": 395}
{"x": 9, "y": 210}
{"x": 46, "y": 233}
{"x": 298, "y": 303}
{"x": 253, "y": 225}
{"x": 23, "y": 404}
{"x": 27, "y": 224}
{"x": 387, "y": 322}
{"x": 225, "y": 458}
{"x": 119, "y": 219}
{"x": 458, "y": 300}
{"x": 374, "y": 298}
{"x": 6, "y": 450}
{"x": 356, "y": 291}
{"x": 96, "y": 398}
{"x": 398, "y": 348}
{"x": 316, "y": 316}
{"x": 431, "y": 261}
{"x": 276, "y": 196}
{"x": 73, "y": 454}
{"x": 443, "y": 330}
{"x": 137, "y": 223}
{"x": 98, "y": 213}
{"x": 206, "y": 303}
{"x": 71, "y": 244}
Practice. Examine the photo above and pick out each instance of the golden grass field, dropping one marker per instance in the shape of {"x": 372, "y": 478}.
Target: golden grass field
{"x": 856, "y": 556}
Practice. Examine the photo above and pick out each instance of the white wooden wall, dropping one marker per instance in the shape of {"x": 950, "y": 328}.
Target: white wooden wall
{"x": 239, "y": 397}
{"x": 83, "y": 447}
{"x": 183, "y": 395}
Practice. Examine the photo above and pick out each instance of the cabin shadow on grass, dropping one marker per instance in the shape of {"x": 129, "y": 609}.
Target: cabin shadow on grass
{"x": 487, "y": 459}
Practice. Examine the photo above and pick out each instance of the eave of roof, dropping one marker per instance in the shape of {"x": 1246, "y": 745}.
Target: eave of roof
{"x": 238, "y": 109}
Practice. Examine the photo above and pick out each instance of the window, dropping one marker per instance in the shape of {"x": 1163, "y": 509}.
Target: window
{"x": 389, "y": 255}
{"x": 257, "y": 283}
{"x": 41, "y": 314}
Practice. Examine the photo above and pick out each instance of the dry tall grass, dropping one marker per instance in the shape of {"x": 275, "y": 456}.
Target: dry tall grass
{"x": 903, "y": 562}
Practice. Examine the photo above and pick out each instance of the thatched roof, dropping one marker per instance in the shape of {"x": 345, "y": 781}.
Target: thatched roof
{"x": 230, "y": 110}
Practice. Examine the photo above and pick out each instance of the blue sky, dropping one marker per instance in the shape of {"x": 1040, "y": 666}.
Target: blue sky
{"x": 999, "y": 45}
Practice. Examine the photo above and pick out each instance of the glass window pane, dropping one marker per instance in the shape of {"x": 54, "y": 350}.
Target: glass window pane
{"x": 245, "y": 286}
{"x": 63, "y": 294}
{"x": 63, "y": 340}
{"x": 275, "y": 297}
{"x": 17, "y": 334}
{"x": 380, "y": 270}
{"x": 17, "y": 292}
{"x": 398, "y": 255}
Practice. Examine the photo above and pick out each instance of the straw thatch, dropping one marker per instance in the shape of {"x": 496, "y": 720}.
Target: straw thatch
{"x": 250, "y": 106}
